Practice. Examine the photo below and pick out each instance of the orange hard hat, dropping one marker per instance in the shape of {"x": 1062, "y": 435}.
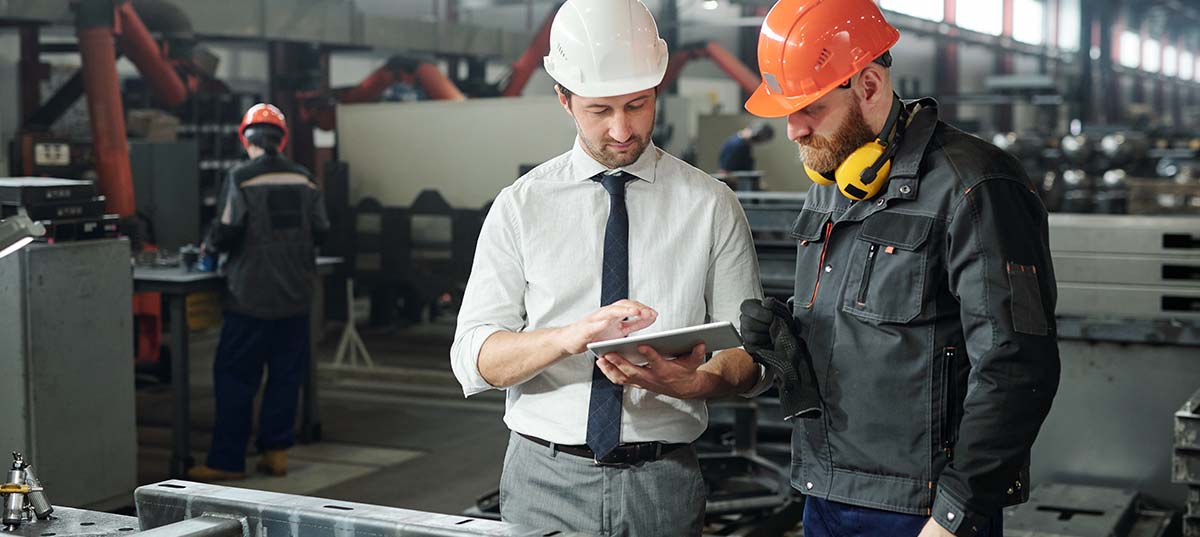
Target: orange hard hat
{"x": 263, "y": 114}
{"x": 806, "y": 48}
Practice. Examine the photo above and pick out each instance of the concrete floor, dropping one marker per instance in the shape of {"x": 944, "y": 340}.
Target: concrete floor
{"x": 387, "y": 435}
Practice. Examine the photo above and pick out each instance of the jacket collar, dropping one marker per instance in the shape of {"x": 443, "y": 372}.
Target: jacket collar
{"x": 903, "y": 179}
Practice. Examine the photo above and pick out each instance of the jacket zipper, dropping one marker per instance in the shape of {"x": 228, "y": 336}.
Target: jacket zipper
{"x": 867, "y": 271}
{"x": 950, "y": 391}
{"x": 820, "y": 265}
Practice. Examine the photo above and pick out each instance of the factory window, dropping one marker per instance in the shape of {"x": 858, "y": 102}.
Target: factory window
{"x": 984, "y": 16}
{"x": 1187, "y": 65}
{"x": 1151, "y": 56}
{"x": 1170, "y": 60}
{"x": 1131, "y": 49}
{"x": 1029, "y": 21}
{"x": 1068, "y": 24}
{"x": 931, "y": 10}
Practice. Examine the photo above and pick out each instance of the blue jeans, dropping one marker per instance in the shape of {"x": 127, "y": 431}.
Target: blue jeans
{"x": 824, "y": 518}
{"x": 247, "y": 346}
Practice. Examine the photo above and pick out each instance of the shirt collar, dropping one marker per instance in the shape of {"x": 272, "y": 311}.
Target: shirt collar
{"x": 584, "y": 167}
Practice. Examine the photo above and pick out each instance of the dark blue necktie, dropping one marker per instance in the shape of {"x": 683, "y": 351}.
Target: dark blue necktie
{"x": 604, "y": 409}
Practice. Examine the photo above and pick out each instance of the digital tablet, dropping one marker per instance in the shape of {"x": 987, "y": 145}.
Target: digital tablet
{"x": 671, "y": 343}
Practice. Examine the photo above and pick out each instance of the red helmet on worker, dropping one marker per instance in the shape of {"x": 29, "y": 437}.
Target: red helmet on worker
{"x": 264, "y": 114}
{"x": 806, "y": 48}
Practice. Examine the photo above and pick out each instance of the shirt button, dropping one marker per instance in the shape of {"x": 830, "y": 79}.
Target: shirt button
{"x": 828, "y": 268}
{"x": 809, "y": 485}
{"x": 949, "y": 516}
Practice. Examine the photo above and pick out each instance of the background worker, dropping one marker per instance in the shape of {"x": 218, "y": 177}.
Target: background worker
{"x": 923, "y": 315}
{"x": 270, "y": 218}
{"x": 737, "y": 153}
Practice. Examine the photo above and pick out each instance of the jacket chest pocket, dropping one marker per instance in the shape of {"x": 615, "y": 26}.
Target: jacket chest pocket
{"x": 810, "y": 231}
{"x": 888, "y": 269}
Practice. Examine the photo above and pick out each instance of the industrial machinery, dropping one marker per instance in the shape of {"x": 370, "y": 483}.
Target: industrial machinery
{"x": 101, "y": 26}
{"x": 68, "y": 209}
{"x": 1122, "y": 267}
{"x": 24, "y": 497}
{"x": 1061, "y": 510}
{"x": 185, "y": 509}
{"x": 48, "y": 291}
{"x": 1186, "y": 466}
{"x": 319, "y": 107}
{"x": 771, "y": 216}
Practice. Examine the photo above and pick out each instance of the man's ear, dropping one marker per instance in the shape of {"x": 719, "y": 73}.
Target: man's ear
{"x": 563, "y": 100}
{"x": 872, "y": 86}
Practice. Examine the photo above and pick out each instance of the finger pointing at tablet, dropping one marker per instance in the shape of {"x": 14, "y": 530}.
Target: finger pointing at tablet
{"x": 616, "y": 320}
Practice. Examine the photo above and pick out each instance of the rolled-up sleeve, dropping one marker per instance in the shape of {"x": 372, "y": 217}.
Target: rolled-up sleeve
{"x": 494, "y": 300}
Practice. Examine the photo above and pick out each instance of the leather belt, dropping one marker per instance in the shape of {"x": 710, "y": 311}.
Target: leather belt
{"x": 623, "y": 454}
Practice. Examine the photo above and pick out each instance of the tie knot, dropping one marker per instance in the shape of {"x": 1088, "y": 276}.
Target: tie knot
{"x": 614, "y": 183}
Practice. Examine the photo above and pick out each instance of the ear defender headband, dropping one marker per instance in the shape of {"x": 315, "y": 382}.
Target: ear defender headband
{"x": 864, "y": 173}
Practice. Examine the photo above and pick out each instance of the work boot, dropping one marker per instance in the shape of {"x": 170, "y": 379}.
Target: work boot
{"x": 205, "y": 474}
{"x": 273, "y": 462}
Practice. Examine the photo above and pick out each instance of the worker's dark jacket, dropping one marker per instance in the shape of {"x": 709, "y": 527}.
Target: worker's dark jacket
{"x": 929, "y": 315}
{"x": 270, "y": 218}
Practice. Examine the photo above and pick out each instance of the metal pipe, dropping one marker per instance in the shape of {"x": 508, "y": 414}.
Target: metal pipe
{"x": 143, "y": 51}
{"x": 531, "y": 60}
{"x": 94, "y": 20}
{"x": 437, "y": 84}
{"x": 31, "y": 70}
{"x": 37, "y": 495}
{"x": 746, "y": 79}
{"x": 203, "y": 526}
{"x": 14, "y": 505}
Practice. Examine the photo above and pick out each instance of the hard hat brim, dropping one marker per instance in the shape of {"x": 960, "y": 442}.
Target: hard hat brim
{"x": 613, "y": 88}
{"x": 763, "y": 103}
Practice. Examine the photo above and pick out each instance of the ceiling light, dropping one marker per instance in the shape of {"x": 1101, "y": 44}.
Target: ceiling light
{"x": 711, "y": 4}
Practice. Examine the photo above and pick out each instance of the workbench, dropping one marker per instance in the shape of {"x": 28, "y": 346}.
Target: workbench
{"x": 175, "y": 284}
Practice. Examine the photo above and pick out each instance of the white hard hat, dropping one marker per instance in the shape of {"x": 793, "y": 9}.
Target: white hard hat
{"x": 603, "y": 48}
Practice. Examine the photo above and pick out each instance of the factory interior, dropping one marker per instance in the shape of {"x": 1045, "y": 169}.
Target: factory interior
{"x": 131, "y": 132}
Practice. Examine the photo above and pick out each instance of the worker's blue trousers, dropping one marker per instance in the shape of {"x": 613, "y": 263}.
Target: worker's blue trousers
{"x": 824, "y": 518}
{"x": 247, "y": 345}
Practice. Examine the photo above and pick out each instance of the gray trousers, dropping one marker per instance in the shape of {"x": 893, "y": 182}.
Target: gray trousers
{"x": 546, "y": 489}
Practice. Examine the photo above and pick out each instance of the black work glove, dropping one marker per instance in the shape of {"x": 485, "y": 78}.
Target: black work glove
{"x": 770, "y": 335}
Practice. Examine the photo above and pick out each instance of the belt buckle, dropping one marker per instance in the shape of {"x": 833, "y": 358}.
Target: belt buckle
{"x": 601, "y": 462}
{"x": 614, "y": 458}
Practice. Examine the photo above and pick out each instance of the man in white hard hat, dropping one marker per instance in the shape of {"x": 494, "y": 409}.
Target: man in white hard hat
{"x": 601, "y": 445}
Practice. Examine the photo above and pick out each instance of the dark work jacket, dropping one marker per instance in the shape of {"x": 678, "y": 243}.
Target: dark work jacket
{"x": 929, "y": 315}
{"x": 270, "y": 218}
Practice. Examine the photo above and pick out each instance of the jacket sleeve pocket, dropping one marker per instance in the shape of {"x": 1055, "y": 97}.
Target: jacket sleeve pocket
{"x": 1029, "y": 317}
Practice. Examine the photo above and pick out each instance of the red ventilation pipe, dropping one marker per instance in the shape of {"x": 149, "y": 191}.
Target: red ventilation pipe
{"x": 143, "y": 51}
{"x": 94, "y": 26}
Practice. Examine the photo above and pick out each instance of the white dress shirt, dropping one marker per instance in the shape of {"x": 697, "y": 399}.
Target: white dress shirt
{"x": 538, "y": 265}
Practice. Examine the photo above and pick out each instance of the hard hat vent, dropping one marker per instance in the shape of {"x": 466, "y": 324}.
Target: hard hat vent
{"x": 823, "y": 59}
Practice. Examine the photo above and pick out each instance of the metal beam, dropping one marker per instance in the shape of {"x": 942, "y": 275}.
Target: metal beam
{"x": 273, "y": 514}
{"x": 202, "y": 526}
{"x": 335, "y": 23}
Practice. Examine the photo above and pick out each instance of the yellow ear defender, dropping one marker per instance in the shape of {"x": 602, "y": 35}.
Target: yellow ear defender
{"x": 864, "y": 173}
